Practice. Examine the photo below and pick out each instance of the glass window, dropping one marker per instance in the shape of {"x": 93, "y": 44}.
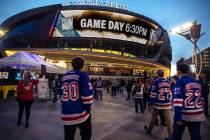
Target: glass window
{"x": 21, "y": 29}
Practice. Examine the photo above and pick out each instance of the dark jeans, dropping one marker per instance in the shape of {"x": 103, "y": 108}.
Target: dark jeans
{"x": 95, "y": 94}
{"x": 27, "y": 106}
{"x": 139, "y": 101}
{"x": 108, "y": 89}
{"x": 114, "y": 90}
{"x": 55, "y": 98}
{"x": 194, "y": 129}
{"x": 99, "y": 93}
{"x": 145, "y": 99}
{"x": 129, "y": 95}
{"x": 206, "y": 103}
{"x": 85, "y": 130}
{"x": 121, "y": 89}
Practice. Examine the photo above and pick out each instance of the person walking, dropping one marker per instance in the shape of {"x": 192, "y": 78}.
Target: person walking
{"x": 205, "y": 93}
{"x": 122, "y": 85}
{"x": 138, "y": 95}
{"x": 147, "y": 92}
{"x": 188, "y": 105}
{"x": 114, "y": 87}
{"x": 25, "y": 97}
{"x": 160, "y": 100}
{"x": 99, "y": 88}
{"x": 108, "y": 85}
{"x": 95, "y": 94}
{"x": 129, "y": 89}
{"x": 76, "y": 102}
{"x": 55, "y": 87}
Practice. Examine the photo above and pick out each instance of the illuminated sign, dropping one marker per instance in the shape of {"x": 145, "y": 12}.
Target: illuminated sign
{"x": 18, "y": 76}
{"x": 96, "y": 3}
{"x": 4, "y": 75}
{"x": 112, "y": 26}
{"x": 104, "y": 24}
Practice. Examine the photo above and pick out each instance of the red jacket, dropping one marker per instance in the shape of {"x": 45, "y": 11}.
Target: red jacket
{"x": 25, "y": 92}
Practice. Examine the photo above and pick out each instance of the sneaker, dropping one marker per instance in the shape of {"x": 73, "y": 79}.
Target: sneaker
{"x": 147, "y": 130}
{"x": 26, "y": 125}
{"x": 163, "y": 124}
{"x": 19, "y": 123}
{"x": 156, "y": 123}
{"x": 167, "y": 138}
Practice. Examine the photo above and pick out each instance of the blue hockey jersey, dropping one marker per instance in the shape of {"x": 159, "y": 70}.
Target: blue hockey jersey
{"x": 161, "y": 95}
{"x": 77, "y": 97}
{"x": 187, "y": 100}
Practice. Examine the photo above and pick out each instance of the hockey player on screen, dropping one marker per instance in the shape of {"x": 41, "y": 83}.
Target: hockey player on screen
{"x": 77, "y": 98}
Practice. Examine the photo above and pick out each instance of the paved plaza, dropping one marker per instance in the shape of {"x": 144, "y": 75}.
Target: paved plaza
{"x": 112, "y": 119}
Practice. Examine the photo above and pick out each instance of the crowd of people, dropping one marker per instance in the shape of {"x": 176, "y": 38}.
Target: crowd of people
{"x": 183, "y": 96}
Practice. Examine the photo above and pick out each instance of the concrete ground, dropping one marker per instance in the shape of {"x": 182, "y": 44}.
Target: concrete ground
{"x": 112, "y": 119}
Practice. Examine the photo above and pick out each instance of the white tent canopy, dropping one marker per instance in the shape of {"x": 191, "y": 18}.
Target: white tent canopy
{"x": 23, "y": 60}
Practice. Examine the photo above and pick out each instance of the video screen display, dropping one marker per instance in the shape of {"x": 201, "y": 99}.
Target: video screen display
{"x": 4, "y": 75}
{"x": 18, "y": 76}
{"x": 104, "y": 24}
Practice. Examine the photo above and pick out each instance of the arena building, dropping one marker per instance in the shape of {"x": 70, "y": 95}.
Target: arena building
{"x": 112, "y": 41}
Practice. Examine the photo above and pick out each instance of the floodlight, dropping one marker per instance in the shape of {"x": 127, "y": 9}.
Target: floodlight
{"x": 1, "y": 33}
{"x": 181, "y": 29}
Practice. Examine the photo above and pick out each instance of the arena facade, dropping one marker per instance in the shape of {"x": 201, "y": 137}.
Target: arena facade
{"x": 112, "y": 41}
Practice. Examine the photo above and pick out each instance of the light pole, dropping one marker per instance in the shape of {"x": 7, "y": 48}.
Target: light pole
{"x": 191, "y": 31}
{"x": 1, "y": 33}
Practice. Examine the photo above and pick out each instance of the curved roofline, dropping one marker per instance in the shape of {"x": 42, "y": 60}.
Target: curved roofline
{"x": 110, "y": 9}
{"x": 26, "y": 14}
{"x": 50, "y": 12}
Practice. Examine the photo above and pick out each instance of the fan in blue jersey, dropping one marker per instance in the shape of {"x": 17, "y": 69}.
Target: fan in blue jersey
{"x": 77, "y": 98}
{"x": 160, "y": 100}
{"x": 188, "y": 105}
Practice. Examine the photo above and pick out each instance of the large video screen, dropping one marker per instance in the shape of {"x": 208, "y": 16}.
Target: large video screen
{"x": 104, "y": 24}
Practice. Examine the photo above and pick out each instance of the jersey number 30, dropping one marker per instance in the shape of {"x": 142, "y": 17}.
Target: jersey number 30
{"x": 70, "y": 91}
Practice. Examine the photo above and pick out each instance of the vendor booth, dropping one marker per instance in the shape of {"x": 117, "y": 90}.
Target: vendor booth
{"x": 26, "y": 61}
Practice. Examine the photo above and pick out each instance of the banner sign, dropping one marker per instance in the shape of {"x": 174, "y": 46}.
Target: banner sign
{"x": 4, "y": 75}
{"x": 96, "y": 3}
{"x": 103, "y": 24}
{"x": 43, "y": 89}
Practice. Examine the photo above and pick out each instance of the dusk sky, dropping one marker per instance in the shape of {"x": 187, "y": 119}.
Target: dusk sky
{"x": 168, "y": 13}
